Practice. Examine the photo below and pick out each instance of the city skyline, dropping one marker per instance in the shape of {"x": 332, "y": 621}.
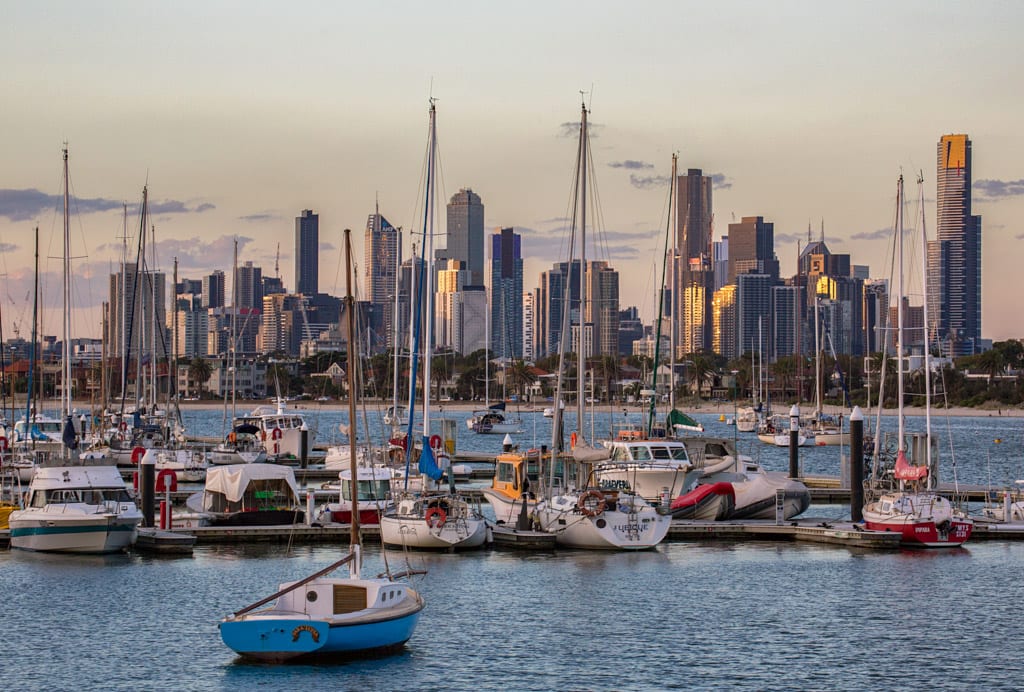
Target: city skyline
{"x": 840, "y": 105}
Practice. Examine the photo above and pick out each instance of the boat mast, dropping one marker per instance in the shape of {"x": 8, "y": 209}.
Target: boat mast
{"x": 581, "y": 351}
{"x": 902, "y": 447}
{"x": 234, "y": 329}
{"x": 428, "y": 327}
{"x": 350, "y": 309}
{"x": 673, "y": 297}
{"x": 817, "y": 355}
{"x": 661, "y": 307}
{"x": 32, "y": 347}
{"x": 153, "y": 393}
{"x": 66, "y": 365}
{"x": 927, "y": 346}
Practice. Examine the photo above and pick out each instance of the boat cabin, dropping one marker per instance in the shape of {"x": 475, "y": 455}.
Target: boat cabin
{"x": 648, "y": 450}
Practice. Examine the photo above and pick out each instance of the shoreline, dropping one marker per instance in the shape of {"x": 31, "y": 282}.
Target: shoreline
{"x": 707, "y": 407}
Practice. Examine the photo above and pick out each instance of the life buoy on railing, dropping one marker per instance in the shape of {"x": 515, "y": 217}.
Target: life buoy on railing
{"x": 137, "y": 454}
{"x": 435, "y": 517}
{"x": 122, "y": 426}
{"x": 276, "y": 434}
{"x": 572, "y": 441}
{"x": 435, "y": 441}
{"x": 4, "y": 444}
{"x": 171, "y": 482}
{"x": 584, "y": 504}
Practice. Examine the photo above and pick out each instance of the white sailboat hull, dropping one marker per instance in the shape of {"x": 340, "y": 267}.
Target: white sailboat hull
{"x": 415, "y": 532}
{"x": 609, "y": 530}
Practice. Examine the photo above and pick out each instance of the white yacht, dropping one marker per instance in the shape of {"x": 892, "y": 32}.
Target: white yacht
{"x": 76, "y": 509}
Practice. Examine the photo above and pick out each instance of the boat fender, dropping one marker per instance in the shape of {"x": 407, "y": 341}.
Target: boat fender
{"x": 122, "y": 426}
{"x": 572, "y": 441}
{"x": 4, "y": 445}
{"x": 137, "y": 454}
{"x": 598, "y": 507}
{"x": 435, "y": 517}
{"x": 276, "y": 434}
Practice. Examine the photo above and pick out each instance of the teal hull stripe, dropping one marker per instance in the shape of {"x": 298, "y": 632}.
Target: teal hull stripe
{"x": 57, "y": 530}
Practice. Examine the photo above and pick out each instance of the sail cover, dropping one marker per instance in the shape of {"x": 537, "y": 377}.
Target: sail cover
{"x": 905, "y": 472}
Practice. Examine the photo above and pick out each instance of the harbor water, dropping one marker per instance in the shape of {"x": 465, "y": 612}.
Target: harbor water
{"x": 751, "y": 615}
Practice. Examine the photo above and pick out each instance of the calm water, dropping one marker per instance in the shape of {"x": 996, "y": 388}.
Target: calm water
{"x": 978, "y": 458}
{"x": 686, "y": 616}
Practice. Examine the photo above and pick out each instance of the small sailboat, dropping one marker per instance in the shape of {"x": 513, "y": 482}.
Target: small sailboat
{"x": 434, "y": 518}
{"x": 577, "y": 509}
{"x": 322, "y": 616}
{"x": 922, "y": 517}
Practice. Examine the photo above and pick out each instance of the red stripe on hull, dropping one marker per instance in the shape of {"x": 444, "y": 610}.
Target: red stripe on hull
{"x": 366, "y": 516}
{"x": 924, "y": 534}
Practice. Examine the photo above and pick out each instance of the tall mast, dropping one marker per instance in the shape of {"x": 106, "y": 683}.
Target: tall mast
{"x": 927, "y": 346}
{"x": 32, "y": 347}
{"x": 581, "y": 358}
{"x": 395, "y": 321}
{"x": 234, "y": 328}
{"x": 428, "y": 327}
{"x": 661, "y": 304}
{"x": 899, "y": 312}
{"x": 672, "y": 293}
{"x": 137, "y": 296}
{"x": 123, "y": 331}
{"x": 153, "y": 325}
{"x": 350, "y": 309}
{"x": 173, "y": 379}
{"x": 66, "y": 366}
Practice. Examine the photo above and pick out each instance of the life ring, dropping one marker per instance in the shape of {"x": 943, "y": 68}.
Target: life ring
{"x": 435, "y": 517}
{"x": 137, "y": 454}
{"x": 263, "y": 435}
{"x": 171, "y": 482}
{"x": 572, "y": 441}
{"x": 435, "y": 441}
{"x": 276, "y": 434}
{"x": 598, "y": 508}
{"x": 4, "y": 444}
{"x": 122, "y": 426}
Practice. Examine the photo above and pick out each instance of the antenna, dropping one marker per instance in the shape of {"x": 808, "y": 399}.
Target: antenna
{"x": 277, "y": 262}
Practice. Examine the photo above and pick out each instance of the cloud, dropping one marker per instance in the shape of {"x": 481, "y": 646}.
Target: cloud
{"x": 7, "y": 247}
{"x": 562, "y": 220}
{"x": 630, "y": 164}
{"x": 326, "y": 246}
{"x": 551, "y": 245}
{"x": 646, "y": 182}
{"x": 22, "y": 205}
{"x": 789, "y": 237}
{"x": 260, "y": 217}
{"x": 1019, "y": 236}
{"x": 572, "y": 129}
{"x": 880, "y": 234}
{"x": 998, "y": 189}
{"x": 720, "y": 182}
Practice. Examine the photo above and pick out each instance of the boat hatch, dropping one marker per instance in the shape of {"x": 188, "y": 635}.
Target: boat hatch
{"x": 349, "y": 598}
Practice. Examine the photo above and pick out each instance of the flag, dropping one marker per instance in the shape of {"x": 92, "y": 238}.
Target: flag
{"x": 428, "y": 466}
{"x": 69, "y": 437}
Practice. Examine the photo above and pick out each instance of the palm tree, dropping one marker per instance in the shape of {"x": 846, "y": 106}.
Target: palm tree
{"x": 440, "y": 372}
{"x": 701, "y": 368}
{"x": 520, "y": 377}
{"x": 199, "y": 372}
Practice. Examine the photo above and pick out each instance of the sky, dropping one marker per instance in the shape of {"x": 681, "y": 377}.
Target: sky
{"x": 238, "y": 115}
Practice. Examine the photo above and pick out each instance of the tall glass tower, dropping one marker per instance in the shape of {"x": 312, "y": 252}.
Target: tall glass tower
{"x": 954, "y": 257}
{"x": 506, "y": 294}
{"x": 307, "y": 259}
{"x": 466, "y": 233}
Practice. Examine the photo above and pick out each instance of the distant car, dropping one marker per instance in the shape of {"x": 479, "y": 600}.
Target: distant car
{"x": 591, "y": 400}
{"x": 323, "y": 398}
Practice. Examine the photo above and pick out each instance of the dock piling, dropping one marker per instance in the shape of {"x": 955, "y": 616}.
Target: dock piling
{"x": 857, "y": 465}
{"x": 794, "y": 442}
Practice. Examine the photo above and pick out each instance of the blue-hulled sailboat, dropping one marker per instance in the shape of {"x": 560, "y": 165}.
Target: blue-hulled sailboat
{"x": 323, "y": 617}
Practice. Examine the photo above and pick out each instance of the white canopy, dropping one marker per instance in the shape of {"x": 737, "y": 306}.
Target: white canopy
{"x": 232, "y": 480}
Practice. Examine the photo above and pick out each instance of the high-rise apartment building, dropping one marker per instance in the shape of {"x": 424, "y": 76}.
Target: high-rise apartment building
{"x": 213, "y": 290}
{"x": 752, "y": 248}
{"x": 249, "y": 287}
{"x": 529, "y": 324}
{"x": 603, "y": 307}
{"x": 307, "y": 253}
{"x": 137, "y": 317}
{"x": 723, "y": 307}
{"x": 383, "y": 257}
{"x": 695, "y": 274}
{"x": 954, "y": 257}
{"x": 506, "y": 294}
{"x": 466, "y": 233}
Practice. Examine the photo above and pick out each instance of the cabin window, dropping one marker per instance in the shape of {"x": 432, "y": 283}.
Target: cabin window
{"x": 311, "y": 596}
{"x": 679, "y": 454}
{"x": 660, "y": 453}
{"x": 641, "y": 453}
{"x": 506, "y": 473}
{"x": 620, "y": 454}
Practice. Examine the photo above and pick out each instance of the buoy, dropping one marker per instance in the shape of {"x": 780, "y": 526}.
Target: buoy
{"x": 998, "y": 440}
{"x": 721, "y": 417}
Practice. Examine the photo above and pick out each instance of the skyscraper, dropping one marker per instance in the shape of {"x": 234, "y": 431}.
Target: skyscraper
{"x": 307, "y": 253}
{"x": 466, "y": 233}
{"x": 752, "y": 248}
{"x": 506, "y": 294}
{"x": 249, "y": 291}
{"x": 383, "y": 257}
{"x": 213, "y": 290}
{"x": 695, "y": 277}
{"x": 954, "y": 257}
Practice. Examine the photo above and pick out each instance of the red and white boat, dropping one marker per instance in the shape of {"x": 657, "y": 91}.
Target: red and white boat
{"x": 373, "y": 486}
{"x": 924, "y": 519}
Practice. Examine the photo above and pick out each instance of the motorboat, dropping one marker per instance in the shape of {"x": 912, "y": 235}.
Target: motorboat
{"x": 1010, "y": 511}
{"x": 747, "y": 419}
{"x": 515, "y": 475}
{"x": 494, "y": 421}
{"x": 649, "y": 467}
{"x": 280, "y": 431}
{"x": 249, "y": 495}
{"x": 396, "y": 416}
{"x": 756, "y": 492}
{"x": 76, "y": 509}
{"x": 373, "y": 485}
{"x": 775, "y": 431}
{"x": 41, "y": 428}
{"x": 242, "y": 446}
{"x": 706, "y": 502}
